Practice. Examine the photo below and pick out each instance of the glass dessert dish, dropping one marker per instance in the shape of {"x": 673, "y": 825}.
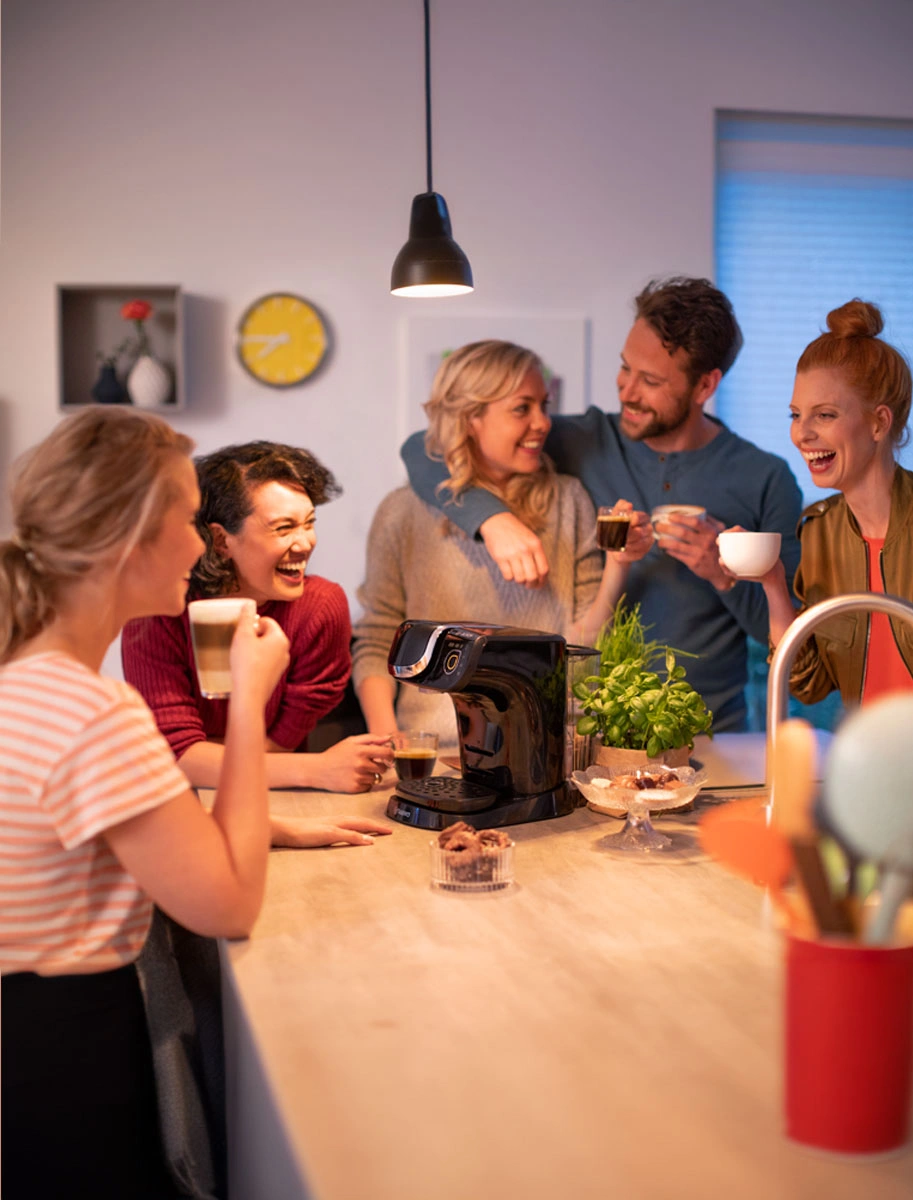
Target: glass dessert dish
{"x": 637, "y": 794}
{"x": 464, "y": 859}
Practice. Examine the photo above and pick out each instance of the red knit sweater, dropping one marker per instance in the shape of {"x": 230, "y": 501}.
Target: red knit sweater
{"x": 158, "y": 661}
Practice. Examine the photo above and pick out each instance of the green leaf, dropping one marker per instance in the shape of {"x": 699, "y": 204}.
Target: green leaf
{"x": 629, "y": 702}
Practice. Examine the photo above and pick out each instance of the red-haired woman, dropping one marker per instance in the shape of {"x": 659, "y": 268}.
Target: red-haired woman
{"x": 849, "y": 414}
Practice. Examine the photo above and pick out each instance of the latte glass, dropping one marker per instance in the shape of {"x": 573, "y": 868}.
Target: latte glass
{"x": 212, "y": 626}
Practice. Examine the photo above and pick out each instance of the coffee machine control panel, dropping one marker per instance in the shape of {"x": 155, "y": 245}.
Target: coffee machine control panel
{"x": 454, "y": 649}
{"x": 437, "y": 659}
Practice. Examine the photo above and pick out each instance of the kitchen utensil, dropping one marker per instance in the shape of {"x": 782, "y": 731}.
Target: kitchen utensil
{"x": 739, "y": 837}
{"x": 848, "y": 1026}
{"x": 793, "y": 797}
{"x": 868, "y": 799}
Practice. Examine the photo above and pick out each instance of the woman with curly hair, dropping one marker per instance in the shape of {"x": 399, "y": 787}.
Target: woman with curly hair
{"x": 257, "y": 519}
{"x": 487, "y": 419}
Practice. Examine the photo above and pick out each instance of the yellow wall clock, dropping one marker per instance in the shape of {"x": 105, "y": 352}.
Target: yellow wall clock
{"x": 282, "y": 340}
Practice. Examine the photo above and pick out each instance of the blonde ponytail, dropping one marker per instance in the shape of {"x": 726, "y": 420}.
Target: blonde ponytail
{"x": 25, "y": 603}
{"x": 93, "y": 489}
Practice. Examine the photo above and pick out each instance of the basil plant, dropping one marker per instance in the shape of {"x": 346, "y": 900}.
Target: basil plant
{"x": 628, "y": 703}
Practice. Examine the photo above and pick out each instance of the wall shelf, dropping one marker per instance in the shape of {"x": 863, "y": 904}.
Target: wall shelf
{"x": 89, "y": 321}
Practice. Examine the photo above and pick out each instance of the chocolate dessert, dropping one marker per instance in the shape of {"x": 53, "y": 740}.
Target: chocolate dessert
{"x": 471, "y": 855}
{"x": 640, "y": 780}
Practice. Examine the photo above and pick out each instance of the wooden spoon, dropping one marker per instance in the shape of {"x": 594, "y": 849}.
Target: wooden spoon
{"x": 795, "y": 751}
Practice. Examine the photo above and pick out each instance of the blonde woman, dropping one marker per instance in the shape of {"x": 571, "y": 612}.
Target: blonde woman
{"x": 97, "y": 823}
{"x": 487, "y": 420}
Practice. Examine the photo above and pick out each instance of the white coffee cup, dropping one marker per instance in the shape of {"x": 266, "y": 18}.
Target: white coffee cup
{"x": 212, "y": 626}
{"x": 669, "y": 513}
{"x": 748, "y": 555}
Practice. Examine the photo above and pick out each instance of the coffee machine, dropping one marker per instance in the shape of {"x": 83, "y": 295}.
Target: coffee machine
{"x": 508, "y": 687}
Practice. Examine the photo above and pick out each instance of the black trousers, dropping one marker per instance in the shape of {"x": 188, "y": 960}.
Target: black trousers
{"x": 79, "y": 1116}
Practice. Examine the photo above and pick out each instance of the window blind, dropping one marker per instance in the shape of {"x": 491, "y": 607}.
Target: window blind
{"x": 810, "y": 212}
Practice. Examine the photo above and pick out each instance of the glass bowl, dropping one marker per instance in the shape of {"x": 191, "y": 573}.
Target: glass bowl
{"x": 472, "y": 865}
{"x": 603, "y": 795}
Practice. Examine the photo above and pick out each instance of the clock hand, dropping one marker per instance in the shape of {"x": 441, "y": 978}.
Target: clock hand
{"x": 271, "y": 342}
{"x": 277, "y": 341}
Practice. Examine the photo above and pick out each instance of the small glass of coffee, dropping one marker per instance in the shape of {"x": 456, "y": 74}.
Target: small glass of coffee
{"x": 414, "y": 754}
{"x": 212, "y": 626}
{"x": 612, "y": 528}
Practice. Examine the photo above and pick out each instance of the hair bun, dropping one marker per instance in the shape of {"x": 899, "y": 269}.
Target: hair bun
{"x": 856, "y": 318}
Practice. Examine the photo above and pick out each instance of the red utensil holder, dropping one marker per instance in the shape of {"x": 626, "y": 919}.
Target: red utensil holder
{"x": 849, "y": 1045}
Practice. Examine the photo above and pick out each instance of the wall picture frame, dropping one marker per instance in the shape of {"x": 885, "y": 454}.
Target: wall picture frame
{"x": 561, "y": 340}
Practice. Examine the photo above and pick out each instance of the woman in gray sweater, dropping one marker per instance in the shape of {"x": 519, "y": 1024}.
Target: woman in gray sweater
{"x": 487, "y": 420}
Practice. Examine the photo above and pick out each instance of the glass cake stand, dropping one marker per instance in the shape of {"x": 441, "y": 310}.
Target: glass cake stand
{"x": 638, "y": 836}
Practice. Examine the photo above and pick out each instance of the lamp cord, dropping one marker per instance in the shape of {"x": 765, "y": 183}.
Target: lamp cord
{"x": 428, "y": 94}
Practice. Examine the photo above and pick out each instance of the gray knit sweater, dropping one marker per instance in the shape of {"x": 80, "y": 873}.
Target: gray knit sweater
{"x": 420, "y": 566}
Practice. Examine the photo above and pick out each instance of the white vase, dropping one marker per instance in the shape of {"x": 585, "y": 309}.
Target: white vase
{"x": 149, "y": 382}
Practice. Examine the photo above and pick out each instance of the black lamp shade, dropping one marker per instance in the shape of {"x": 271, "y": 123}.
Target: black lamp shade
{"x": 430, "y": 263}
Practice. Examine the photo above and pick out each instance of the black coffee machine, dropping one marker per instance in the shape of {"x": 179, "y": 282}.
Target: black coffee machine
{"x": 508, "y": 687}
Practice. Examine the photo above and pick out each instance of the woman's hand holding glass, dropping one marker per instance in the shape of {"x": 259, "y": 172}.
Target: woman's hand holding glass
{"x": 353, "y": 765}
{"x": 259, "y": 655}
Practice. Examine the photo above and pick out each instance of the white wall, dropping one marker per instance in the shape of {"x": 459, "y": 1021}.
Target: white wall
{"x": 239, "y": 146}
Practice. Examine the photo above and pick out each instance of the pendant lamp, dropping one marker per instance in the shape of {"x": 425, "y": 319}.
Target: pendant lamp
{"x": 430, "y": 263}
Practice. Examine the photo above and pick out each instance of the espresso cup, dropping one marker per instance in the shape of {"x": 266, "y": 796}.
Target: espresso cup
{"x": 612, "y": 529}
{"x": 748, "y": 555}
{"x": 212, "y": 626}
{"x": 414, "y": 754}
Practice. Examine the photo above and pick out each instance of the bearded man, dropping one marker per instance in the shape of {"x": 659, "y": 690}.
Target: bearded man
{"x": 662, "y": 448}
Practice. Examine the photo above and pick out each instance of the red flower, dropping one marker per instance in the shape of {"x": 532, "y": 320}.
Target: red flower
{"x": 136, "y": 310}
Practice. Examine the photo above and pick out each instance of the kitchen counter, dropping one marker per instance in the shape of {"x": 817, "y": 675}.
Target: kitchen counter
{"x": 602, "y": 1028}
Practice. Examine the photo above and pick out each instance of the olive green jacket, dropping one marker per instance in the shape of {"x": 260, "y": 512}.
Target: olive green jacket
{"x": 835, "y": 562}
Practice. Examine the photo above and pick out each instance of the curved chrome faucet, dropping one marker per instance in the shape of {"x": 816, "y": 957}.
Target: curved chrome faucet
{"x": 785, "y": 653}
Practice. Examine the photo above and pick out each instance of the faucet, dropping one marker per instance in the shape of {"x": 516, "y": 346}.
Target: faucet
{"x": 785, "y": 654}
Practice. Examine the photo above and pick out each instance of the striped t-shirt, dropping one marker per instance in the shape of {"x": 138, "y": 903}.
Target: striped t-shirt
{"x": 78, "y": 754}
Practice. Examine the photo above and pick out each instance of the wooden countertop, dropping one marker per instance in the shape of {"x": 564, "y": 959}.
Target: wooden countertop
{"x": 602, "y": 1028}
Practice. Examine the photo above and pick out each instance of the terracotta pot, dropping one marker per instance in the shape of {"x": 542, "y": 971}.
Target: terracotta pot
{"x": 615, "y": 756}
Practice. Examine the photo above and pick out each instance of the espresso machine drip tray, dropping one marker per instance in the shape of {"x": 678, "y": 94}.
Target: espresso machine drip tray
{"x": 437, "y": 802}
{"x": 450, "y": 795}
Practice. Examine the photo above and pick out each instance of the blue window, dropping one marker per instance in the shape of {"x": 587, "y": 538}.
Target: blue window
{"x": 810, "y": 212}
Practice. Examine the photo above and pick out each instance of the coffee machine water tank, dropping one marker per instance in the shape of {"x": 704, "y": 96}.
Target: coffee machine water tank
{"x": 508, "y": 687}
